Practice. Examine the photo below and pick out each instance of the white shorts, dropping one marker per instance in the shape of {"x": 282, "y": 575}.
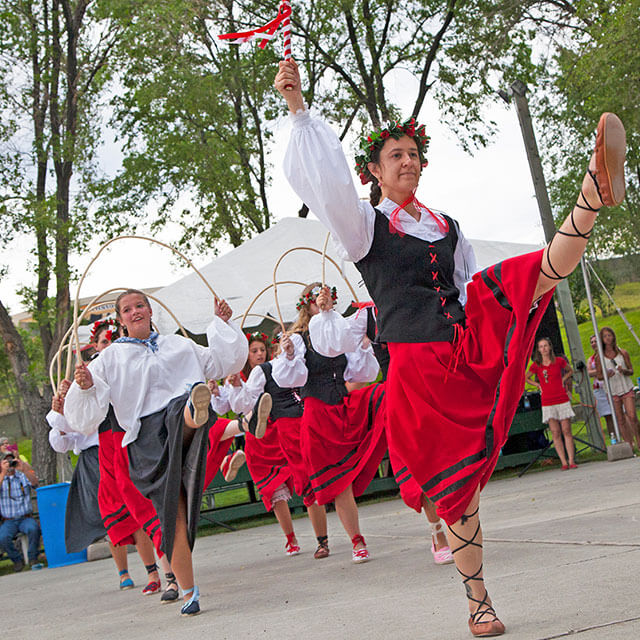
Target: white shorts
{"x": 557, "y": 412}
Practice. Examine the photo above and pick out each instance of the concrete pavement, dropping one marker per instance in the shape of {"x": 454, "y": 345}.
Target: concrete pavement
{"x": 562, "y": 556}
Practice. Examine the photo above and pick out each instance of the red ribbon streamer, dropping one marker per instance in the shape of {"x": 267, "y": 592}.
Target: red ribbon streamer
{"x": 268, "y": 29}
{"x": 396, "y": 227}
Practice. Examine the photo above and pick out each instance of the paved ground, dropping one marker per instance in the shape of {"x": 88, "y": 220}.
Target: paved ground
{"x": 562, "y": 558}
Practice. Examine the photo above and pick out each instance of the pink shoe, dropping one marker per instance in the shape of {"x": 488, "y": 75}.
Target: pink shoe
{"x": 291, "y": 549}
{"x": 359, "y": 556}
{"x": 231, "y": 464}
{"x": 443, "y": 555}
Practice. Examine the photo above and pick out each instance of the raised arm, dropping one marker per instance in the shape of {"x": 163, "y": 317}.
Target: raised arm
{"x": 318, "y": 172}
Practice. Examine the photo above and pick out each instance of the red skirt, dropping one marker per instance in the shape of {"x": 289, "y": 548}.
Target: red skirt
{"x": 410, "y": 491}
{"x": 450, "y": 406}
{"x": 267, "y": 464}
{"x": 118, "y": 522}
{"x": 343, "y": 444}
{"x": 139, "y": 506}
{"x": 289, "y": 437}
{"x": 218, "y": 449}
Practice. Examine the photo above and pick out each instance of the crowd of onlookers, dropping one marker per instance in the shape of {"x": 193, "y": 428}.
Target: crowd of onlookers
{"x": 552, "y": 375}
{"x": 17, "y": 479}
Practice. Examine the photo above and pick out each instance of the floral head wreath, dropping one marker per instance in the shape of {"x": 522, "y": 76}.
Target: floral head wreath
{"x": 257, "y": 335}
{"x": 109, "y": 322}
{"x": 312, "y": 295}
{"x": 376, "y": 139}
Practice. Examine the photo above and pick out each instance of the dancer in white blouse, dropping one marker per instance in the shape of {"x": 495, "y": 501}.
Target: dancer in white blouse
{"x": 446, "y": 343}
{"x": 342, "y": 434}
{"x": 157, "y": 381}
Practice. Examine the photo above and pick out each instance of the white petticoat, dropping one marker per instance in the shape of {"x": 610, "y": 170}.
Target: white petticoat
{"x": 557, "y": 412}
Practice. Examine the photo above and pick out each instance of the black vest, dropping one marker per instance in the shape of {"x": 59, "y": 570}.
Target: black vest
{"x": 380, "y": 349}
{"x": 285, "y": 401}
{"x": 411, "y": 283}
{"x": 326, "y": 375}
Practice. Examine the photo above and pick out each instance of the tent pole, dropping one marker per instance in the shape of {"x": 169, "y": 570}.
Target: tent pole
{"x": 596, "y": 331}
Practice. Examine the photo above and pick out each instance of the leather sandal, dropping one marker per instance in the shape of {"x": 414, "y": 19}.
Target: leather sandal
{"x": 323, "y": 548}
{"x": 442, "y": 555}
{"x": 199, "y": 402}
{"x": 231, "y": 464}
{"x": 611, "y": 142}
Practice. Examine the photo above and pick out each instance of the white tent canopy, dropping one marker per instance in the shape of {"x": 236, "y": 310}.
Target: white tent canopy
{"x": 240, "y": 274}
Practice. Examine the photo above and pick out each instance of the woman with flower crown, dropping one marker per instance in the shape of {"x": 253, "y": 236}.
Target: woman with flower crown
{"x": 275, "y": 462}
{"x": 155, "y": 384}
{"x": 458, "y": 341}
{"x": 342, "y": 434}
{"x": 97, "y": 482}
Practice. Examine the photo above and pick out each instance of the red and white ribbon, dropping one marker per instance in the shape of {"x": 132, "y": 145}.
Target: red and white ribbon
{"x": 267, "y": 32}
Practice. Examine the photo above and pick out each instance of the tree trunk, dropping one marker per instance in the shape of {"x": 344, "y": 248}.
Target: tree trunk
{"x": 36, "y": 405}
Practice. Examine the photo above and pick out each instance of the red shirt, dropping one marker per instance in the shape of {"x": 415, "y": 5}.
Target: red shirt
{"x": 552, "y": 389}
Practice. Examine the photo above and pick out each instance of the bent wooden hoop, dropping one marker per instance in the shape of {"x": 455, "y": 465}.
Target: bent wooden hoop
{"x": 95, "y": 257}
{"x": 322, "y": 253}
{"x": 269, "y": 286}
{"x": 94, "y": 303}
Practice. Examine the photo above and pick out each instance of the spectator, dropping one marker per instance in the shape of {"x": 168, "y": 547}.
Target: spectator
{"x": 16, "y": 480}
{"x": 619, "y": 370}
{"x": 552, "y": 373}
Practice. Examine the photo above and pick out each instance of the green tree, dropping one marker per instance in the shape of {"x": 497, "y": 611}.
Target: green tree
{"x": 54, "y": 57}
{"x": 596, "y": 70}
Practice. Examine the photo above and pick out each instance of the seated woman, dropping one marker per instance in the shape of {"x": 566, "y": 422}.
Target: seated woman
{"x": 156, "y": 386}
{"x": 552, "y": 373}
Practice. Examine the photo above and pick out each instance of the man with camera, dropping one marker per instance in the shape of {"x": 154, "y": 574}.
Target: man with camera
{"x": 16, "y": 480}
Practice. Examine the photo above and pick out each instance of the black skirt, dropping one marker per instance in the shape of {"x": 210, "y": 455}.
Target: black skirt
{"x": 160, "y": 467}
{"x": 83, "y": 522}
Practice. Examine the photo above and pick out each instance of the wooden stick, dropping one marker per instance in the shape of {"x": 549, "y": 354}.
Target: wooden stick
{"x": 324, "y": 259}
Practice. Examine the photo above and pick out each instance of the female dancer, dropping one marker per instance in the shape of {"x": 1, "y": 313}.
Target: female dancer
{"x": 364, "y": 320}
{"x": 342, "y": 435}
{"x": 553, "y": 372}
{"x": 599, "y": 393}
{"x": 617, "y": 364}
{"x": 416, "y": 264}
{"x": 280, "y": 448}
{"x": 153, "y": 384}
{"x": 97, "y": 485}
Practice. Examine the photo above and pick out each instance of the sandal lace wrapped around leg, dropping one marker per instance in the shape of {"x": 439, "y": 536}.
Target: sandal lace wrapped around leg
{"x": 359, "y": 556}
{"x": 192, "y": 606}
{"x": 323, "y": 548}
{"x": 170, "y": 594}
{"x": 478, "y": 627}
{"x": 291, "y": 548}
{"x": 442, "y": 555}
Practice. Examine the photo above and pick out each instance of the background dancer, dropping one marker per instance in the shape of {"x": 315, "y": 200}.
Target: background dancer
{"x": 344, "y": 334}
{"x": 283, "y": 439}
{"x": 553, "y": 373}
{"x": 415, "y": 263}
{"x": 147, "y": 378}
{"x": 266, "y": 461}
{"x": 342, "y": 436}
{"x": 97, "y": 488}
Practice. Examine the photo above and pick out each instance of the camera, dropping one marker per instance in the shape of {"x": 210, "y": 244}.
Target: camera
{"x": 12, "y": 460}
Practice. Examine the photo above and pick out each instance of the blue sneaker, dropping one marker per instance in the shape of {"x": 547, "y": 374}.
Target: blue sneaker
{"x": 126, "y": 583}
{"x": 192, "y": 606}
{"x": 37, "y": 566}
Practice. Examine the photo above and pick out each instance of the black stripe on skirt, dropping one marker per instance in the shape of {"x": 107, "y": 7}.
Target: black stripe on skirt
{"x": 83, "y": 522}
{"x": 160, "y": 467}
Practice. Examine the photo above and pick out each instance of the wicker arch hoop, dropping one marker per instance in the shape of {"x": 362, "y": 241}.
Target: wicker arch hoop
{"x": 269, "y": 286}
{"x": 96, "y": 300}
{"x": 325, "y": 257}
{"x": 95, "y": 257}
